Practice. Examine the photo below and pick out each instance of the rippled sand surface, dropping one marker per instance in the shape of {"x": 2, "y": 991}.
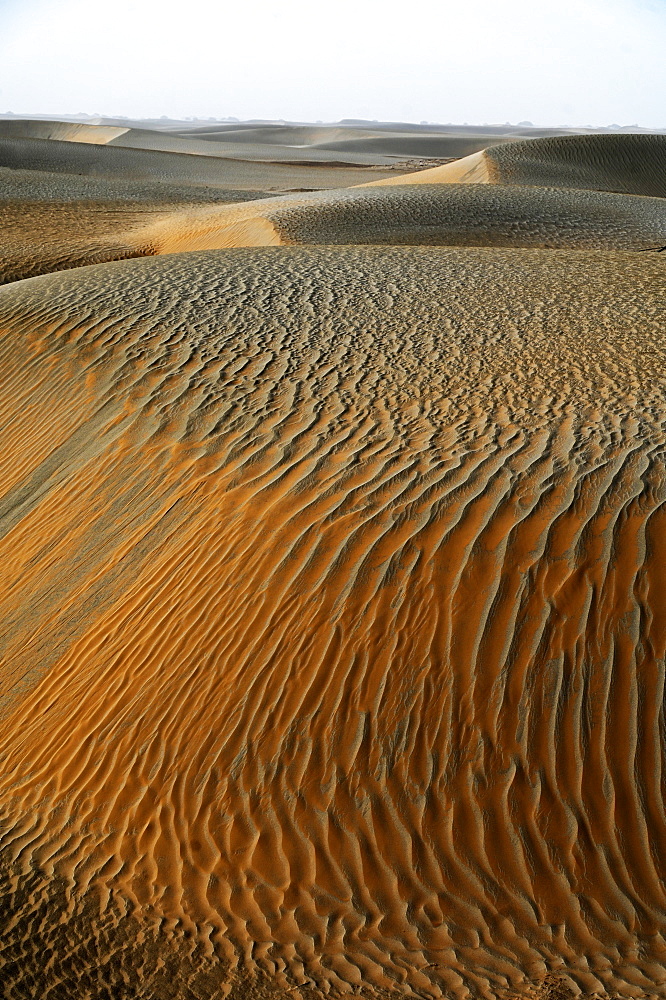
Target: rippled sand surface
{"x": 433, "y": 214}
{"x": 44, "y": 236}
{"x": 633, "y": 164}
{"x": 333, "y": 622}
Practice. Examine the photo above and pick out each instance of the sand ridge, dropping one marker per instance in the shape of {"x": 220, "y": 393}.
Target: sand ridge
{"x": 630, "y": 163}
{"x": 118, "y": 163}
{"x": 166, "y": 142}
{"x": 332, "y": 632}
{"x": 344, "y": 658}
{"x": 324, "y": 143}
{"x": 41, "y": 237}
{"x": 435, "y": 215}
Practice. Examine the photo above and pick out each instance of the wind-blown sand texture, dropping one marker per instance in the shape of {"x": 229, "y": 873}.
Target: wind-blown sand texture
{"x": 634, "y": 164}
{"x": 435, "y": 215}
{"x": 153, "y": 165}
{"x": 333, "y": 631}
{"x": 40, "y": 237}
{"x": 276, "y": 142}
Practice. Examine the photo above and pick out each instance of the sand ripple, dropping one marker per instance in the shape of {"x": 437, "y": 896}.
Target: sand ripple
{"x": 42, "y": 236}
{"x": 333, "y": 624}
{"x": 630, "y": 163}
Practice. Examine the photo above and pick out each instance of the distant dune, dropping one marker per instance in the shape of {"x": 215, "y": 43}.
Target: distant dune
{"x": 333, "y": 547}
{"x": 152, "y": 139}
{"x": 299, "y": 146}
{"x": 118, "y": 164}
{"x": 25, "y": 128}
{"x": 634, "y": 164}
{"x": 278, "y": 142}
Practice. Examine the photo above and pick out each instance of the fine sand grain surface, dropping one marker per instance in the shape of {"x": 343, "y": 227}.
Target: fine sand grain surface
{"x": 634, "y": 164}
{"x": 116, "y": 163}
{"x": 332, "y": 609}
{"x": 44, "y": 236}
{"x": 435, "y": 215}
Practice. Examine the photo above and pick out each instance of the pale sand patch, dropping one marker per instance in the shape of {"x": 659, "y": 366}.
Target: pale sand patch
{"x": 474, "y": 169}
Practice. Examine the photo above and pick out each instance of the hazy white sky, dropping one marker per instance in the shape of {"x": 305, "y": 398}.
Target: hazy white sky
{"x": 570, "y": 62}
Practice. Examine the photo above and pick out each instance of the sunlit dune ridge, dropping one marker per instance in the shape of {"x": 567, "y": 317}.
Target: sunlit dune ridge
{"x": 435, "y": 215}
{"x": 45, "y": 236}
{"x": 333, "y": 649}
{"x": 631, "y": 163}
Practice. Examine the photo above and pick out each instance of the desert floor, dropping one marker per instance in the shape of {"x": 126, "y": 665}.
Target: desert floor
{"x": 333, "y": 548}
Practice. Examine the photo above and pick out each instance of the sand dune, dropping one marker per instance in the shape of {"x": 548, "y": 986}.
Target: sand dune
{"x": 363, "y": 143}
{"x": 19, "y": 186}
{"x": 362, "y": 154}
{"x": 264, "y": 130}
{"x": 634, "y": 164}
{"x": 40, "y": 237}
{"x": 325, "y": 146}
{"x": 152, "y": 139}
{"x": 477, "y": 168}
{"x": 458, "y": 215}
{"x": 152, "y": 165}
{"x": 274, "y": 134}
{"x": 435, "y": 216}
{"x": 332, "y": 527}
{"x": 53, "y": 221}
{"x": 450, "y": 146}
{"x": 333, "y": 649}
{"x": 354, "y": 145}
{"x": 26, "y": 128}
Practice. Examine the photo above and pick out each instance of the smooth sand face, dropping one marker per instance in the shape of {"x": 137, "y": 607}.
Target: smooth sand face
{"x": 335, "y": 638}
{"x": 473, "y": 169}
{"x": 98, "y": 135}
{"x": 277, "y": 143}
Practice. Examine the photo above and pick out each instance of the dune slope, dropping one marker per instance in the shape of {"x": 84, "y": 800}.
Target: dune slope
{"x": 630, "y": 163}
{"x": 435, "y": 215}
{"x": 333, "y": 625}
{"x": 43, "y": 236}
{"x": 30, "y": 128}
{"x": 117, "y": 163}
{"x": 302, "y": 145}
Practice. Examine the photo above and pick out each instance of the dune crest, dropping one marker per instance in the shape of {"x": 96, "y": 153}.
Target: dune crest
{"x": 41, "y": 237}
{"x": 477, "y": 168}
{"x": 97, "y": 135}
{"x": 629, "y": 163}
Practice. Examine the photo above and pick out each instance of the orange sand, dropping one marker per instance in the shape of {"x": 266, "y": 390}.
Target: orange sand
{"x": 332, "y": 620}
{"x": 333, "y": 637}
